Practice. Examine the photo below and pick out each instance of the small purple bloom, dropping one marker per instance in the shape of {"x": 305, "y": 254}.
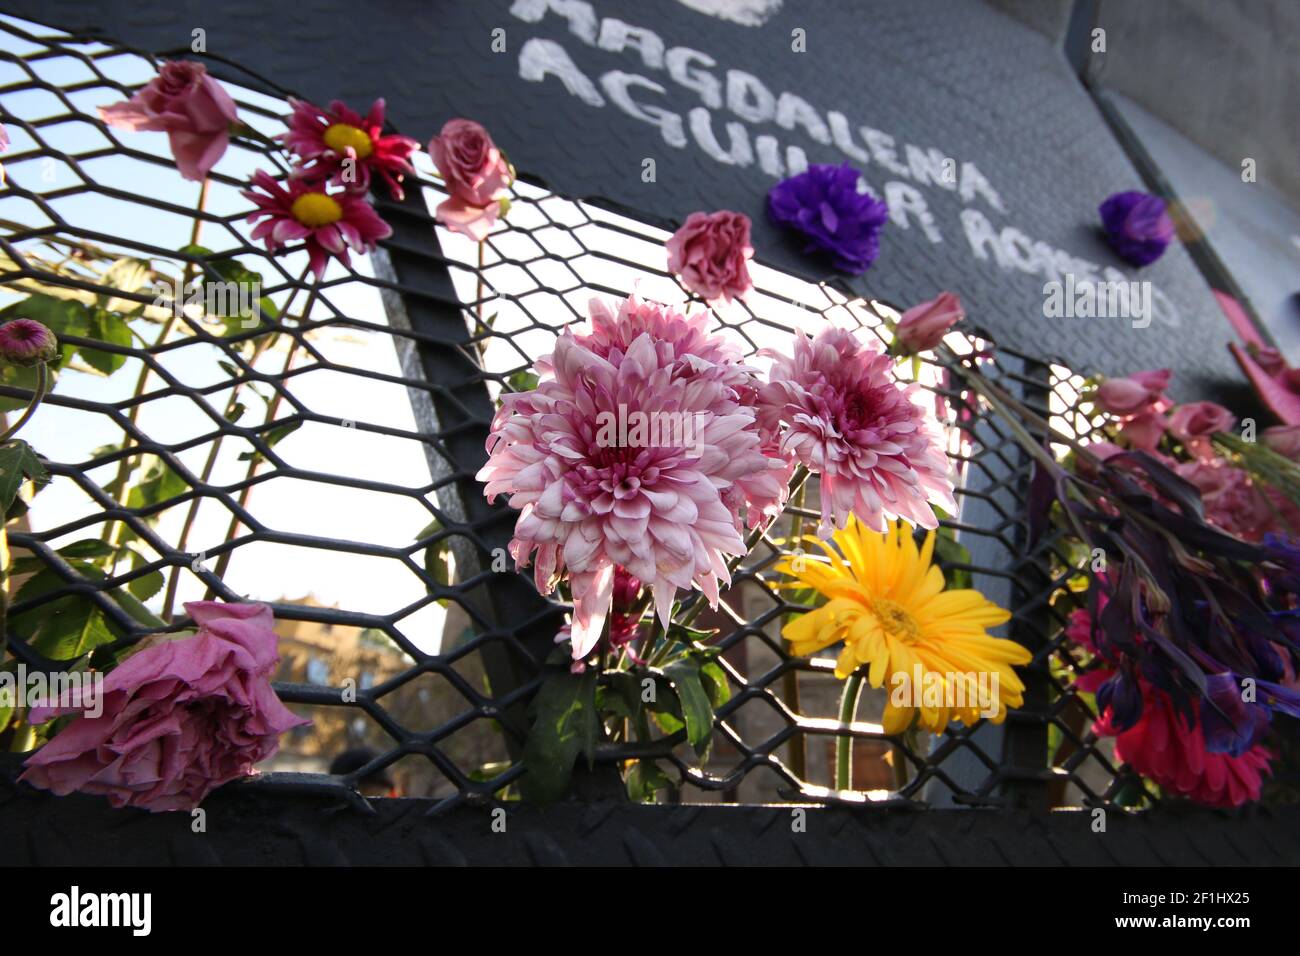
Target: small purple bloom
{"x": 1137, "y": 226}
{"x": 824, "y": 204}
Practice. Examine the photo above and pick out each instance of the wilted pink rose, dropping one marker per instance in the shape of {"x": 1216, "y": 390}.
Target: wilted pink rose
{"x": 1194, "y": 423}
{"x": 923, "y": 326}
{"x": 179, "y": 719}
{"x": 711, "y": 253}
{"x": 1283, "y": 439}
{"x": 1134, "y": 393}
{"x": 189, "y": 106}
{"x": 476, "y": 175}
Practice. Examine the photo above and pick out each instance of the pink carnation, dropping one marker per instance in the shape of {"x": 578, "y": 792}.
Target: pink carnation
{"x": 594, "y": 498}
{"x": 192, "y": 108}
{"x": 845, "y": 416}
{"x": 711, "y": 252}
{"x": 180, "y": 718}
{"x": 1163, "y": 748}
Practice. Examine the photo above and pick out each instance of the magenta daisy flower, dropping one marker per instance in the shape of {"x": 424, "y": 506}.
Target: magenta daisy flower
{"x": 324, "y": 139}
{"x": 621, "y": 460}
{"x": 328, "y": 223}
{"x": 842, "y": 413}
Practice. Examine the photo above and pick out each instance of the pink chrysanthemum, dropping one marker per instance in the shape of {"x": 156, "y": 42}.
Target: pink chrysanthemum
{"x": 328, "y": 223}
{"x": 592, "y": 499}
{"x": 848, "y": 419}
{"x": 684, "y": 343}
{"x": 323, "y": 139}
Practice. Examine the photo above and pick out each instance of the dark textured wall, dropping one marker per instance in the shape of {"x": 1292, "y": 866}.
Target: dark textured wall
{"x": 962, "y": 78}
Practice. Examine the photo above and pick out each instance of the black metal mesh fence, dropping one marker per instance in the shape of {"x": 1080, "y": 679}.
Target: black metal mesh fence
{"x": 314, "y": 447}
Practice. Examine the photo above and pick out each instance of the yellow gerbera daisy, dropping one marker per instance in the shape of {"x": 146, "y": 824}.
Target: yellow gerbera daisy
{"x": 887, "y": 603}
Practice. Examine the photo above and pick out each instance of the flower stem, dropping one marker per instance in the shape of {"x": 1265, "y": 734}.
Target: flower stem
{"x": 844, "y": 740}
{"x": 42, "y": 379}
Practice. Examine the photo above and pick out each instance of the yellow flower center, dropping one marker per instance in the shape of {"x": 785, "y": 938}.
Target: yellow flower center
{"x": 894, "y": 620}
{"x": 340, "y": 136}
{"x": 316, "y": 209}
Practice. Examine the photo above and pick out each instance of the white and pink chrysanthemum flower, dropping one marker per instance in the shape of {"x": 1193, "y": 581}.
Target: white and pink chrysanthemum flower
{"x": 846, "y": 417}
{"x": 328, "y": 223}
{"x": 592, "y": 498}
{"x": 325, "y": 139}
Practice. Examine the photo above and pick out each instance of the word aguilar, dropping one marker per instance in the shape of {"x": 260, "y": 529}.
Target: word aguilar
{"x": 750, "y": 101}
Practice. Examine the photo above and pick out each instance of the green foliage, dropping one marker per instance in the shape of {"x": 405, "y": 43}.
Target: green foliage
{"x": 18, "y": 463}
{"x": 565, "y": 724}
{"x": 234, "y": 313}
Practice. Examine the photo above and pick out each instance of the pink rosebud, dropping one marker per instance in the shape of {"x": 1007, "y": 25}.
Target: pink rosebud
{"x": 179, "y": 718}
{"x": 1154, "y": 379}
{"x": 711, "y": 253}
{"x": 1123, "y": 396}
{"x": 192, "y": 108}
{"x": 1283, "y": 439}
{"x": 1134, "y": 393}
{"x": 26, "y": 342}
{"x": 1194, "y": 423}
{"x": 475, "y": 173}
{"x": 923, "y": 326}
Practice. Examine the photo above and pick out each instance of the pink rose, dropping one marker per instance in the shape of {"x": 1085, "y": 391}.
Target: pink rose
{"x": 189, "y": 106}
{"x": 1231, "y": 500}
{"x": 711, "y": 253}
{"x": 1133, "y": 393}
{"x": 1144, "y": 431}
{"x": 923, "y": 326}
{"x": 1283, "y": 439}
{"x": 476, "y": 175}
{"x": 179, "y": 719}
{"x": 1194, "y": 423}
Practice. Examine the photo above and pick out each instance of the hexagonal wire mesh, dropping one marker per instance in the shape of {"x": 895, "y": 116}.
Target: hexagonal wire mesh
{"x": 300, "y": 447}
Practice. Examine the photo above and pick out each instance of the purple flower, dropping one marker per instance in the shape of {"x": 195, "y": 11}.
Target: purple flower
{"x": 26, "y": 342}
{"x": 1137, "y": 226}
{"x": 825, "y": 205}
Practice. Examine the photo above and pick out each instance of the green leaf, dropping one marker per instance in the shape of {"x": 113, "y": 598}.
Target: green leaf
{"x": 948, "y": 551}
{"x": 87, "y": 548}
{"x": 438, "y": 558}
{"x": 110, "y": 327}
{"x": 230, "y": 306}
{"x": 17, "y": 376}
{"x": 715, "y": 683}
{"x": 18, "y": 463}
{"x": 565, "y": 724}
{"x": 272, "y": 438}
{"x": 696, "y": 709}
{"x": 236, "y": 412}
{"x": 158, "y": 484}
{"x": 644, "y": 779}
{"x": 524, "y": 380}
{"x": 66, "y": 628}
